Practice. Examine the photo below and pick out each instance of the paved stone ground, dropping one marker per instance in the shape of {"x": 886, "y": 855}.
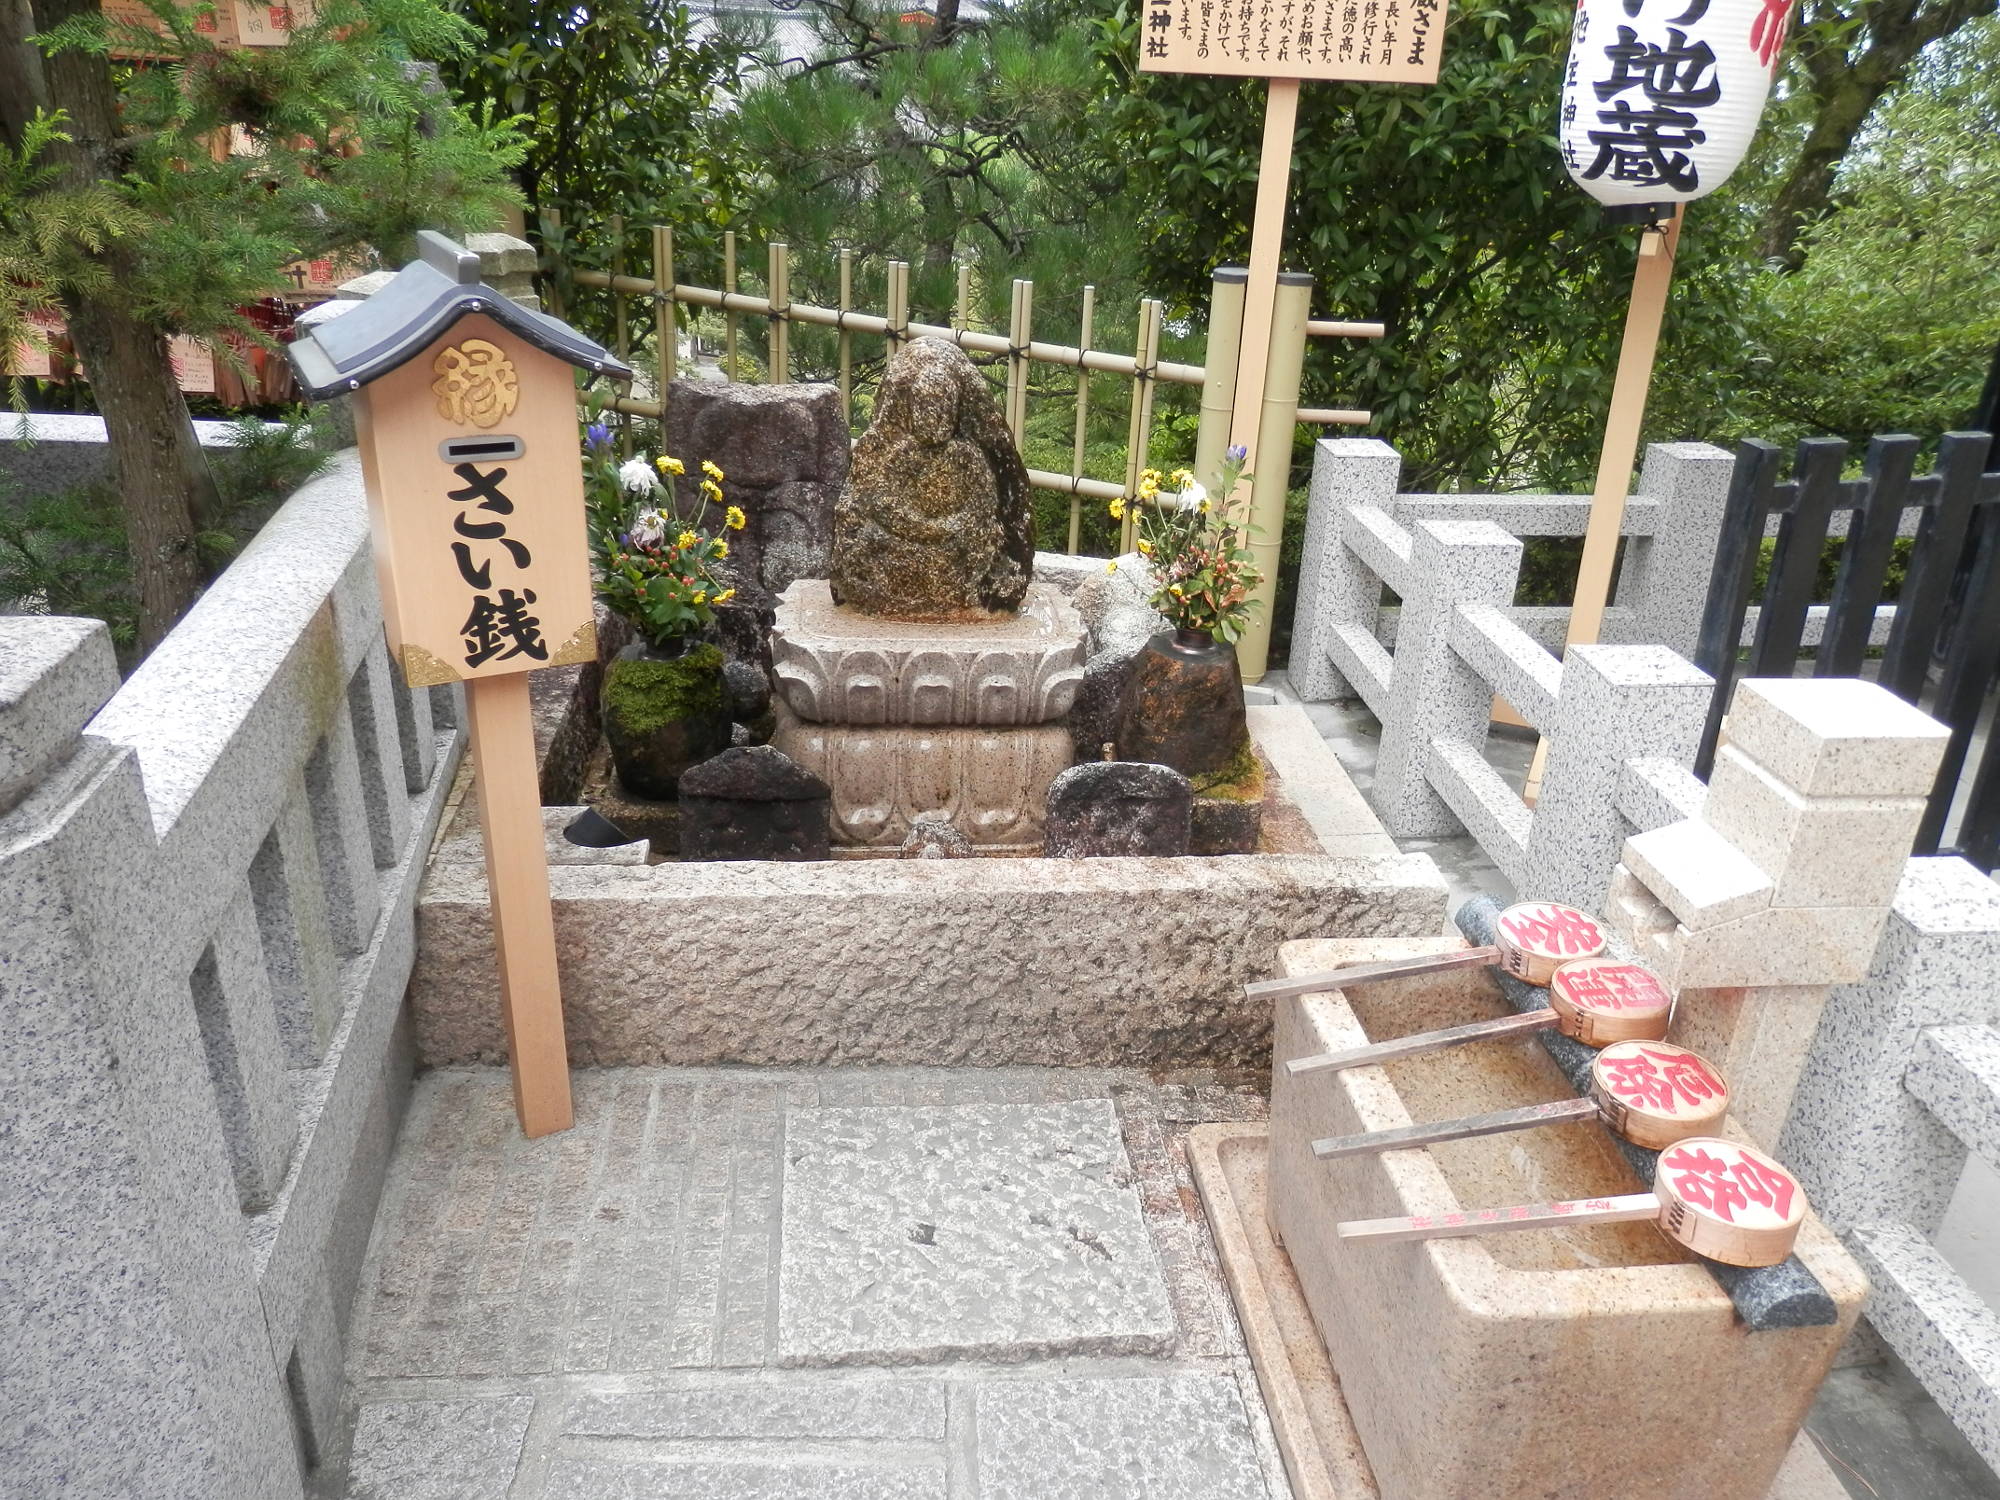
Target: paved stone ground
{"x": 863, "y": 1284}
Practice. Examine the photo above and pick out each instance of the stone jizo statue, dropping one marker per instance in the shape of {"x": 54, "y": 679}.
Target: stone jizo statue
{"x": 934, "y": 522}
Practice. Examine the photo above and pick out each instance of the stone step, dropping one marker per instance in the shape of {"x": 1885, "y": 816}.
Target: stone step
{"x": 1955, "y": 1071}
{"x": 1937, "y": 1325}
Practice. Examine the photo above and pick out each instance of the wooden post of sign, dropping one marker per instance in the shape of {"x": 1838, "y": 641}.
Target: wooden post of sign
{"x": 517, "y": 873}
{"x": 1652, "y": 276}
{"x": 1267, "y": 243}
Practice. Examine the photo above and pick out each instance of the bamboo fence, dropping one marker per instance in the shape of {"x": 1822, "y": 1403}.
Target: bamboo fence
{"x": 665, "y": 293}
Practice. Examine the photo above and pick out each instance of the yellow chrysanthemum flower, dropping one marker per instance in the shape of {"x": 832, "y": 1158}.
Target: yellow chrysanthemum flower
{"x": 721, "y": 547}
{"x": 725, "y": 596}
{"x": 712, "y": 490}
{"x": 668, "y": 464}
{"x": 1183, "y": 478}
{"x": 1145, "y": 548}
{"x": 700, "y": 598}
{"x": 735, "y": 520}
{"x": 686, "y": 539}
{"x": 1149, "y": 486}
{"x": 1111, "y": 567}
{"x": 1117, "y": 510}
{"x": 712, "y": 470}
{"x": 1204, "y": 507}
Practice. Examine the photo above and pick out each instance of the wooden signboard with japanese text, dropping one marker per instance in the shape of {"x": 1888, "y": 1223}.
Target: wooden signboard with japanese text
{"x": 1364, "y": 41}
{"x": 476, "y": 498}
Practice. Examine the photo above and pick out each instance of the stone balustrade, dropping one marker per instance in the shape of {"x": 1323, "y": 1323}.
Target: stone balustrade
{"x": 207, "y": 877}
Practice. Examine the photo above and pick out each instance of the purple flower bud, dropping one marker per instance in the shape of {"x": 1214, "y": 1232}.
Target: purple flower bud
{"x": 599, "y": 435}
{"x": 1237, "y": 453}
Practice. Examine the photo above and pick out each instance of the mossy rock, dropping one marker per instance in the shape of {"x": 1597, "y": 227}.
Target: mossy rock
{"x": 663, "y": 715}
{"x": 646, "y": 692}
{"x": 1240, "y": 779}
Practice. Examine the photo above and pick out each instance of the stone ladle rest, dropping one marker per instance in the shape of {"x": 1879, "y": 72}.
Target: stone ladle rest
{"x": 1786, "y": 1295}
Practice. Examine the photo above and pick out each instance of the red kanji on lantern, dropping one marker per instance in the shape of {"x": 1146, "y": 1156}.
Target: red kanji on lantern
{"x": 1767, "y": 31}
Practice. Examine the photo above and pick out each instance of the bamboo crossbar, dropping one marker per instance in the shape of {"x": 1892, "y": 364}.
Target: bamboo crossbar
{"x": 1099, "y": 360}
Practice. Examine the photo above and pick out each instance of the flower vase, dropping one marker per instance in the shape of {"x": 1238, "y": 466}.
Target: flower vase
{"x": 1183, "y": 705}
{"x": 665, "y": 709}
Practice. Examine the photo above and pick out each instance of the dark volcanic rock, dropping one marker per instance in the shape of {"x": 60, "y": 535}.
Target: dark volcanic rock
{"x": 783, "y": 451}
{"x": 1116, "y": 807}
{"x": 1184, "y": 705}
{"x": 935, "y": 521}
{"x": 753, "y": 802}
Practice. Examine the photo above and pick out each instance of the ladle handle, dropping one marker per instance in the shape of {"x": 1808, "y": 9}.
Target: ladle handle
{"x": 1626, "y": 1208}
{"x": 1422, "y": 1042}
{"x": 1353, "y": 974}
{"x": 1402, "y": 1138}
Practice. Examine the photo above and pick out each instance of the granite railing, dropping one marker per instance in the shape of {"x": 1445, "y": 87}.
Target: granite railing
{"x": 207, "y": 877}
{"x": 1458, "y": 640}
{"x": 1900, "y": 1087}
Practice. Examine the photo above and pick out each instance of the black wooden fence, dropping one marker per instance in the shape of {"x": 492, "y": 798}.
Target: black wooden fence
{"x": 1947, "y": 614}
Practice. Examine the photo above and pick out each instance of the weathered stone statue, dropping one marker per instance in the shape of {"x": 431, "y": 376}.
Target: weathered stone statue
{"x": 934, "y": 522}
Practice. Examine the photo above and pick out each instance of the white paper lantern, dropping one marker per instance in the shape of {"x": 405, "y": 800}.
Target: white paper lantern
{"x": 1661, "y": 97}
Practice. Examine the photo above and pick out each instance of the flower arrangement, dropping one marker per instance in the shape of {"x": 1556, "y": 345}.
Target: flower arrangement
{"x": 1202, "y": 575}
{"x": 654, "y": 567}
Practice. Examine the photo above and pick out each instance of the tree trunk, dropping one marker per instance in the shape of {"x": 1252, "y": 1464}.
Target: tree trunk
{"x": 164, "y": 486}
{"x": 1803, "y": 196}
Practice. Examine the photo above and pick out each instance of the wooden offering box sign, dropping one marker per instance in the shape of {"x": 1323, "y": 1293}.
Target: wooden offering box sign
{"x": 466, "y": 415}
{"x": 476, "y": 508}
{"x": 465, "y": 405}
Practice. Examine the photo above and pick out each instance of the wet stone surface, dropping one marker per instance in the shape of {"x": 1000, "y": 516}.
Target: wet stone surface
{"x": 1117, "y": 807}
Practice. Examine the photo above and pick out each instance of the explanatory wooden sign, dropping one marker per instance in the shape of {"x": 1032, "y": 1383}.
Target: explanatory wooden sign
{"x": 470, "y": 454}
{"x": 1368, "y": 41}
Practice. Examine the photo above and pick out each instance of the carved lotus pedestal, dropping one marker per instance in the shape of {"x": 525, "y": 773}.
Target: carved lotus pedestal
{"x": 963, "y": 718}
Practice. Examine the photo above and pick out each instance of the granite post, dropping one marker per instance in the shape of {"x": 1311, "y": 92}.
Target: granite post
{"x": 1335, "y": 587}
{"x": 1616, "y": 703}
{"x": 1433, "y": 692}
{"x": 1782, "y": 886}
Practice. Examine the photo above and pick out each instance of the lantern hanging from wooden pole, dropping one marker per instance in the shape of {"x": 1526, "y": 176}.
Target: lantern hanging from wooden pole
{"x": 1660, "y": 101}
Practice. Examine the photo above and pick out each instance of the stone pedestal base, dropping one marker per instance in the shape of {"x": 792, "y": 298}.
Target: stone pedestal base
{"x": 839, "y": 666}
{"x": 992, "y": 783}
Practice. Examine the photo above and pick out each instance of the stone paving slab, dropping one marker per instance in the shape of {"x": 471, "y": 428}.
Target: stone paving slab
{"x": 598, "y": 1479}
{"x": 1177, "y": 1437}
{"x": 1005, "y": 1231}
{"x": 598, "y": 1313}
{"x": 439, "y": 1450}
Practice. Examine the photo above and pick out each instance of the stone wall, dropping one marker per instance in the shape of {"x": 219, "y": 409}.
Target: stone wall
{"x": 206, "y": 884}
{"x": 979, "y": 962}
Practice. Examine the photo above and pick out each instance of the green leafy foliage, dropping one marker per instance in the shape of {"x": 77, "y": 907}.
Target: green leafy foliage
{"x": 63, "y": 552}
{"x": 346, "y": 144}
{"x": 621, "y": 102}
{"x": 942, "y": 141}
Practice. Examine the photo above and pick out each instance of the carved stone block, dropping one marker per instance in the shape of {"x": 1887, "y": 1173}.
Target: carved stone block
{"x": 838, "y": 666}
{"x": 991, "y": 783}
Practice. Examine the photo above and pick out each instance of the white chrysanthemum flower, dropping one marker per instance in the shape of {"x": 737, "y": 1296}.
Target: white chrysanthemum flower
{"x": 1191, "y": 497}
{"x": 649, "y": 528}
{"x": 636, "y": 477}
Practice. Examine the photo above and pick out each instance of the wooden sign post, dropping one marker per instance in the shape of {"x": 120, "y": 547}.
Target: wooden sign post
{"x": 465, "y": 410}
{"x": 1286, "y": 42}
